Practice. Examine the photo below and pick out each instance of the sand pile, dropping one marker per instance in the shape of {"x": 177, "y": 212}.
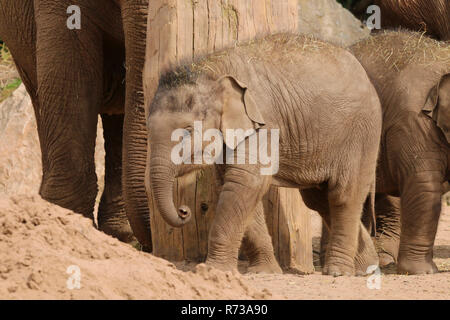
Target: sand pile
{"x": 45, "y": 250}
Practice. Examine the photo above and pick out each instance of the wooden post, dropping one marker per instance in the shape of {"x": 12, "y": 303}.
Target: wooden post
{"x": 178, "y": 31}
{"x": 289, "y": 223}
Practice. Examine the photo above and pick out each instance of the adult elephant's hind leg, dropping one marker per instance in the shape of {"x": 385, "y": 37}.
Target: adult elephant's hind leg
{"x": 69, "y": 77}
{"x": 257, "y": 245}
{"x": 112, "y": 218}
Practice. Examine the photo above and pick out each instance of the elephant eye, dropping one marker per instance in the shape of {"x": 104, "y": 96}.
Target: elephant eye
{"x": 189, "y": 130}
{"x": 189, "y": 102}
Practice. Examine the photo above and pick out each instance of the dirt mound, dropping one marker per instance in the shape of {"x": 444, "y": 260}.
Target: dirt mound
{"x": 328, "y": 20}
{"x": 44, "y": 248}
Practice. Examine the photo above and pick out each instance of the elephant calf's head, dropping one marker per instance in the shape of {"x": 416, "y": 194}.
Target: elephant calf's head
{"x": 190, "y": 121}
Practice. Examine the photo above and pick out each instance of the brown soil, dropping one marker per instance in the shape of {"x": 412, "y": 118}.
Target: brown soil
{"x": 39, "y": 242}
{"x": 392, "y": 286}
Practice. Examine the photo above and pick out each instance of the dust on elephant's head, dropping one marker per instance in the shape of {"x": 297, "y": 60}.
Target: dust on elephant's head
{"x": 437, "y": 105}
{"x": 225, "y": 104}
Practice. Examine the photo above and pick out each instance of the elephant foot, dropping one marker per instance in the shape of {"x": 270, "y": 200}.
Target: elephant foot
{"x": 338, "y": 266}
{"x": 411, "y": 267}
{"x": 387, "y": 249}
{"x": 366, "y": 256}
{"x": 262, "y": 259}
{"x": 67, "y": 196}
{"x": 363, "y": 263}
{"x": 115, "y": 224}
{"x": 337, "y": 270}
{"x": 222, "y": 265}
{"x": 264, "y": 266}
{"x": 386, "y": 259}
{"x": 121, "y": 232}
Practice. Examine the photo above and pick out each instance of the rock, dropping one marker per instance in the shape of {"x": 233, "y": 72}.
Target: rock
{"x": 20, "y": 164}
{"x": 328, "y": 20}
{"x": 20, "y": 154}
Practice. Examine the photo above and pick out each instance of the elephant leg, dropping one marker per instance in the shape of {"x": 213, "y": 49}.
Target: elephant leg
{"x": 257, "y": 245}
{"x": 345, "y": 203}
{"x": 70, "y": 86}
{"x": 134, "y": 16}
{"x": 420, "y": 211}
{"x": 366, "y": 254}
{"x": 112, "y": 218}
{"x": 388, "y": 228}
{"x": 241, "y": 193}
{"x": 17, "y": 17}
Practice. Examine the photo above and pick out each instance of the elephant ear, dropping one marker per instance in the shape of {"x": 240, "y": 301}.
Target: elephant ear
{"x": 437, "y": 105}
{"x": 240, "y": 114}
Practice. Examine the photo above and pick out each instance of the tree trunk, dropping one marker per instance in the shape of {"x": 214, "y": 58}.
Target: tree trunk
{"x": 178, "y": 31}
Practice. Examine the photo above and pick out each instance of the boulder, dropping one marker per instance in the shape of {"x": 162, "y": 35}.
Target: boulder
{"x": 328, "y": 20}
{"x": 20, "y": 154}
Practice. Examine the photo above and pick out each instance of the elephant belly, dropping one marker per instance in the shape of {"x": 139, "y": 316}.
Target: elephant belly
{"x": 279, "y": 182}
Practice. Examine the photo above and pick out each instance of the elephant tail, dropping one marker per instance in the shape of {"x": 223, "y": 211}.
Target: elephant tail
{"x": 369, "y": 218}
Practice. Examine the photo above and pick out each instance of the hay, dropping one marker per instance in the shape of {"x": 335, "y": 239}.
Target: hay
{"x": 399, "y": 49}
{"x": 276, "y": 49}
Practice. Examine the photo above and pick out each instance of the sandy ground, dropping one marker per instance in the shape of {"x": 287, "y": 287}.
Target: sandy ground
{"x": 47, "y": 253}
{"x": 45, "y": 250}
{"x": 391, "y": 286}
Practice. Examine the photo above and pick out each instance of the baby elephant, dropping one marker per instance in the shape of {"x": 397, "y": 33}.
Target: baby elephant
{"x": 309, "y": 102}
{"x": 411, "y": 73}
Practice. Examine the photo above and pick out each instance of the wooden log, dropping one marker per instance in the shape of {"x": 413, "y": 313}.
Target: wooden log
{"x": 289, "y": 223}
{"x": 178, "y": 32}
{"x": 181, "y": 30}
{"x": 190, "y": 242}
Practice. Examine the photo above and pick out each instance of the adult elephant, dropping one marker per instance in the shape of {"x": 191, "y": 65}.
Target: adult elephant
{"x": 431, "y": 16}
{"x": 72, "y": 75}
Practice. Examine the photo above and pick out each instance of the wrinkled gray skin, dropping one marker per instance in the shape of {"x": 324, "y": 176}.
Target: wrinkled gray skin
{"x": 329, "y": 118}
{"x": 429, "y": 16}
{"x": 72, "y": 76}
{"x": 412, "y": 76}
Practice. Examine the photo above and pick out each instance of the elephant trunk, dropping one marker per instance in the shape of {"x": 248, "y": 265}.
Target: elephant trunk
{"x": 162, "y": 178}
{"x": 134, "y": 16}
